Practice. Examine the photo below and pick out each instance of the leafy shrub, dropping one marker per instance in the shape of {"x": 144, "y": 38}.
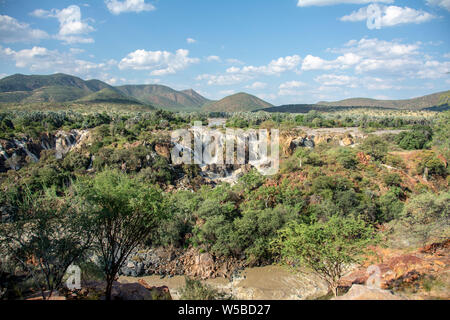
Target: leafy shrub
{"x": 415, "y": 139}
{"x": 195, "y": 290}
{"x": 392, "y": 180}
{"x": 390, "y": 206}
{"x": 76, "y": 162}
{"x": 430, "y": 165}
{"x": 375, "y": 146}
{"x": 347, "y": 158}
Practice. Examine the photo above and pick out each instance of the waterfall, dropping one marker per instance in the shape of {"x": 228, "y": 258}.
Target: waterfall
{"x": 91, "y": 163}
{"x": 64, "y": 143}
{"x": 23, "y": 146}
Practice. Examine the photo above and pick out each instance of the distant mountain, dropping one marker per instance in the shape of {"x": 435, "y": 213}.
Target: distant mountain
{"x": 196, "y": 97}
{"x": 58, "y": 87}
{"x": 164, "y": 97}
{"x": 305, "y": 108}
{"x": 237, "y": 103}
{"x": 20, "y": 82}
{"x": 109, "y": 95}
{"x": 428, "y": 101}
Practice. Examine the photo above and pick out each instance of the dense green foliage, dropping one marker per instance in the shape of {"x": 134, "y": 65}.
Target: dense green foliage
{"x": 326, "y": 247}
{"x": 415, "y": 139}
{"x": 124, "y": 214}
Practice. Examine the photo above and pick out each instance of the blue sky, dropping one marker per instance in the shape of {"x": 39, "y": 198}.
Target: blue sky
{"x": 284, "y": 51}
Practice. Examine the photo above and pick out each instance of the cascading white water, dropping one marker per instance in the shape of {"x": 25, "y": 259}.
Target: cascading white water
{"x": 23, "y": 146}
{"x": 65, "y": 142}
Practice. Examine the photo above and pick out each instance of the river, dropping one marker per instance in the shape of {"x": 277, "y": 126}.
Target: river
{"x": 261, "y": 283}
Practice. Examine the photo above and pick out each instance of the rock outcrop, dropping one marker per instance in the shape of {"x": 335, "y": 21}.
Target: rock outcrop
{"x": 171, "y": 262}
{"x": 399, "y": 271}
{"x": 135, "y": 291}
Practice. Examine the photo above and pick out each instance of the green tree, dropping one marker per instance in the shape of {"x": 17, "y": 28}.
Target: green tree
{"x": 326, "y": 247}
{"x": 46, "y": 236}
{"x": 125, "y": 213}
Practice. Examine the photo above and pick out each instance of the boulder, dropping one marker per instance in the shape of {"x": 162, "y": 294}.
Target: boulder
{"x": 203, "y": 266}
{"x": 346, "y": 141}
{"x": 361, "y": 292}
{"x": 132, "y": 291}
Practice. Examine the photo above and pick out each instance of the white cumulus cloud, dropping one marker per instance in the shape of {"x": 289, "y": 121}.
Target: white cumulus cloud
{"x": 378, "y": 16}
{"x": 191, "y": 40}
{"x": 117, "y": 7}
{"x": 342, "y": 62}
{"x": 12, "y": 30}
{"x": 158, "y": 62}
{"x": 72, "y": 29}
{"x": 275, "y": 67}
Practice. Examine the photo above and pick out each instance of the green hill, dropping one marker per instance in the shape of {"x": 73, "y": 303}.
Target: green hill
{"x": 164, "y": 97}
{"x": 108, "y": 95}
{"x": 428, "y": 101}
{"x": 20, "y": 82}
{"x": 47, "y": 88}
{"x": 237, "y": 103}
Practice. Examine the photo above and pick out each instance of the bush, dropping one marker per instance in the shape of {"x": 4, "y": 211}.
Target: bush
{"x": 426, "y": 216}
{"x": 376, "y": 147}
{"x": 390, "y": 206}
{"x": 195, "y": 290}
{"x": 416, "y": 139}
{"x": 75, "y": 162}
{"x": 257, "y": 228}
{"x": 347, "y": 159}
{"x": 392, "y": 180}
{"x": 430, "y": 165}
